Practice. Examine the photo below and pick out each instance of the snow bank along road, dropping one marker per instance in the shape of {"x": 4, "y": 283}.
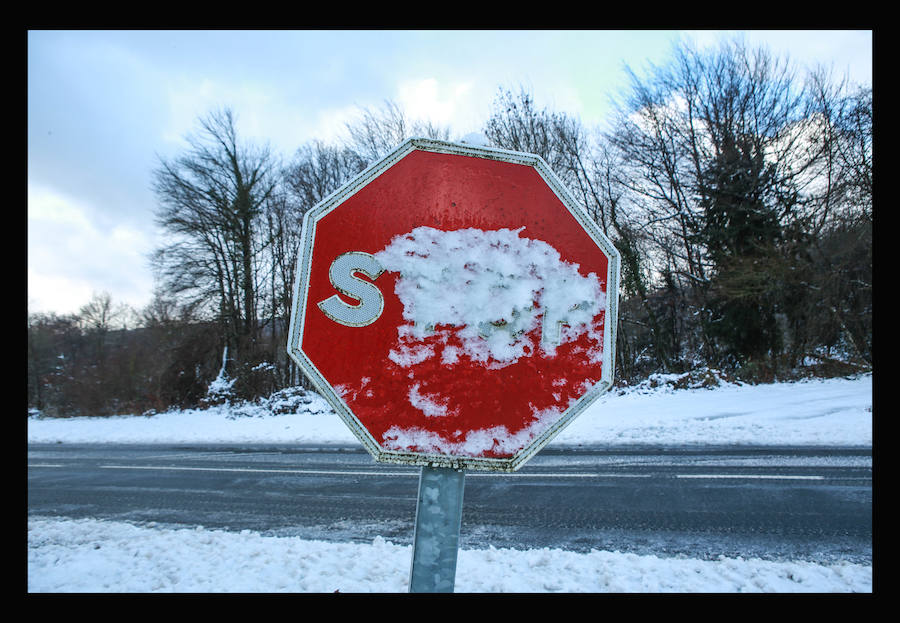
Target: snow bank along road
{"x": 770, "y": 503}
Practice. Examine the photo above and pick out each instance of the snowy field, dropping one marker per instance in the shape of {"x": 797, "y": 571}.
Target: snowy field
{"x": 110, "y": 557}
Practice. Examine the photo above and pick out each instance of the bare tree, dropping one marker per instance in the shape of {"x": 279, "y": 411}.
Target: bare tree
{"x": 54, "y": 349}
{"x": 376, "y": 132}
{"x": 728, "y": 160}
{"x": 516, "y": 123}
{"x": 211, "y": 200}
{"x": 100, "y": 314}
{"x": 318, "y": 169}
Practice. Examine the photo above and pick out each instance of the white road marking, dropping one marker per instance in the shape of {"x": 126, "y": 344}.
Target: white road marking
{"x": 263, "y": 471}
{"x": 752, "y": 476}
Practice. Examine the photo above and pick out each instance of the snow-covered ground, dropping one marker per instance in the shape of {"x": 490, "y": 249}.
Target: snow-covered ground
{"x": 815, "y": 412}
{"x": 102, "y": 556}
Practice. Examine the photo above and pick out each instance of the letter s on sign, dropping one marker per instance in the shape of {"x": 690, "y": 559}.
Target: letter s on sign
{"x": 344, "y": 281}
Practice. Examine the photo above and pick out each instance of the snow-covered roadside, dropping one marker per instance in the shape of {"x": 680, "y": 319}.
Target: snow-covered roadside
{"x": 93, "y": 556}
{"x": 815, "y": 412}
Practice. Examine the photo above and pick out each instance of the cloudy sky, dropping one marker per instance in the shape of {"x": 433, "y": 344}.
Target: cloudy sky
{"x": 103, "y": 106}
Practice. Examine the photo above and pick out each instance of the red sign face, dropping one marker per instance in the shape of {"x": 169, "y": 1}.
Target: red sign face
{"x": 453, "y": 307}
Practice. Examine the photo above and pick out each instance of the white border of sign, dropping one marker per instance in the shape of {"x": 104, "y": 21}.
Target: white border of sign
{"x": 299, "y": 307}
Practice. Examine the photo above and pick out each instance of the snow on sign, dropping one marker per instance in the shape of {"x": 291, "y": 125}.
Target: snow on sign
{"x": 455, "y": 306}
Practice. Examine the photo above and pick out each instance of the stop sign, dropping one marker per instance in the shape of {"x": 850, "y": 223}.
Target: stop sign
{"x": 455, "y": 306}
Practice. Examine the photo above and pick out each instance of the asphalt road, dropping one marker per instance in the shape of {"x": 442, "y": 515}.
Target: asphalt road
{"x": 771, "y": 503}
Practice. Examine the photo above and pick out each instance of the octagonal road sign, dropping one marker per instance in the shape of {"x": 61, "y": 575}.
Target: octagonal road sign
{"x": 455, "y": 306}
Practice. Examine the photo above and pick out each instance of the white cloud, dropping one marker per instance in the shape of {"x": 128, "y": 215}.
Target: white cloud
{"x": 70, "y": 257}
{"x": 428, "y": 99}
{"x": 45, "y": 205}
{"x": 453, "y": 104}
{"x": 63, "y": 295}
{"x": 263, "y": 115}
{"x": 330, "y": 123}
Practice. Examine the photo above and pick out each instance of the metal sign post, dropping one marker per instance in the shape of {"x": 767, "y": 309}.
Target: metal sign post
{"x": 436, "y": 537}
